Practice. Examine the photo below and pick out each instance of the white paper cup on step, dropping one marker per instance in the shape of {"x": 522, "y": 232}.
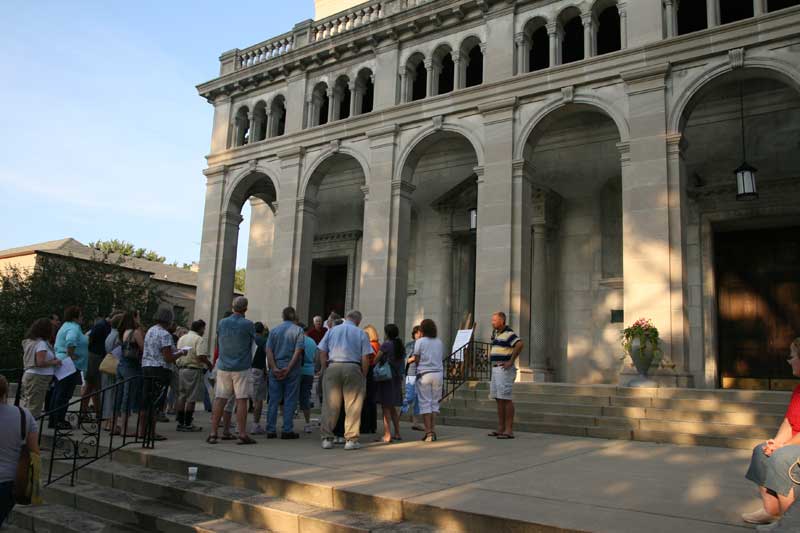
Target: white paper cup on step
{"x": 192, "y": 473}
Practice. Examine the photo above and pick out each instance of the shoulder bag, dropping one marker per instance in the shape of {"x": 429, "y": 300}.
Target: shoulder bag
{"x": 383, "y": 370}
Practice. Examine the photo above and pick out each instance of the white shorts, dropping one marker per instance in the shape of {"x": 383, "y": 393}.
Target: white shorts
{"x": 502, "y": 382}
{"x": 429, "y": 392}
{"x": 233, "y": 384}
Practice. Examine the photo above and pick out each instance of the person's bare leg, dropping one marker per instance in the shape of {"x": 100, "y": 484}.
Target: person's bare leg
{"x": 226, "y": 421}
{"x": 501, "y": 416}
{"x": 509, "y": 430}
{"x": 786, "y": 501}
{"x": 427, "y": 420}
{"x": 387, "y": 434}
{"x": 258, "y": 406}
{"x": 241, "y": 417}
{"x": 770, "y": 501}
{"x": 216, "y": 412}
{"x": 395, "y": 416}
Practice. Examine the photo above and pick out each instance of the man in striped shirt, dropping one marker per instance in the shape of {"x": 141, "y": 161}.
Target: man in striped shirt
{"x": 506, "y": 346}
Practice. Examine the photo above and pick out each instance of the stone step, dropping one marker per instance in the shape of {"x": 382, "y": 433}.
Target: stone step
{"x": 750, "y": 417}
{"x": 51, "y": 517}
{"x": 244, "y": 507}
{"x": 713, "y": 405}
{"x": 620, "y": 433}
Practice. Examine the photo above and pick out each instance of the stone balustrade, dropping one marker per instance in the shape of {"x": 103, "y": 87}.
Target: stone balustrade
{"x": 348, "y": 20}
{"x": 265, "y": 51}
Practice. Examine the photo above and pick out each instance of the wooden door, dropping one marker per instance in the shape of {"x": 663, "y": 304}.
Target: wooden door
{"x": 758, "y": 299}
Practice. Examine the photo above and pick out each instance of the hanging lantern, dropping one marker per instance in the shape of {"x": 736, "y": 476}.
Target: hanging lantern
{"x": 473, "y": 218}
{"x": 745, "y": 174}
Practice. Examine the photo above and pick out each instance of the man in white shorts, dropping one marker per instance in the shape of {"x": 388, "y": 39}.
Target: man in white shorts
{"x": 506, "y": 346}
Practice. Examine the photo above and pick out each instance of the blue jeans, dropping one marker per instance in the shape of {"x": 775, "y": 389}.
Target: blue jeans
{"x": 62, "y": 395}
{"x": 286, "y": 390}
{"x": 410, "y": 398}
{"x": 6, "y": 500}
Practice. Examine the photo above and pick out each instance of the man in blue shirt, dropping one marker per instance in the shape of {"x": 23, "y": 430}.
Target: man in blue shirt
{"x": 344, "y": 356}
{"x": 285, "y": 347}
{"x": 236, "y": 340}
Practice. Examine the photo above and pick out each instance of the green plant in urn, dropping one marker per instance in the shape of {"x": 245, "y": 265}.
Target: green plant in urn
{"x": 641, "y": 343}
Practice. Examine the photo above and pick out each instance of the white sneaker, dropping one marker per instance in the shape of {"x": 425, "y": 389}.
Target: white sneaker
{"x": 307, "y": 428}
{"x": 339, "y": 440}
{"x": 759, "y": 517}
{"x": 352, "y": 445}
{"x": 257, "y": 430}
{"x": 327, "y": 444}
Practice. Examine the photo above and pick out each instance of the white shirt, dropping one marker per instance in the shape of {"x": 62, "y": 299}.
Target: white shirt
{"x": 431, "y": 355}
{"x": 44, "y": 346}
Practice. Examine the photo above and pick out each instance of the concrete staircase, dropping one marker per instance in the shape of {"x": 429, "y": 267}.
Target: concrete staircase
{"x": 122, "y": 496}
{"x": 725, "y": 418}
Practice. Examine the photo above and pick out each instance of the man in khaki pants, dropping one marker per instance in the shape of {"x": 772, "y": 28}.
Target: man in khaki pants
{"x": 344, "y": 354}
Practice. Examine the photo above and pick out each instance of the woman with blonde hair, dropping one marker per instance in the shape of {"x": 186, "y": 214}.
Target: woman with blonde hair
{"x": 369, "y": 411}
{"x": 772, "y": 466}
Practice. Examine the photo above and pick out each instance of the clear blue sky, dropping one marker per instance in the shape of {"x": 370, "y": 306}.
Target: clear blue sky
{"x": 103, "y": 134}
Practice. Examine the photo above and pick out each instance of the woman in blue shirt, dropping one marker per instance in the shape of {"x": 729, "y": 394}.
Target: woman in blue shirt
{"x": 70, "y": 343}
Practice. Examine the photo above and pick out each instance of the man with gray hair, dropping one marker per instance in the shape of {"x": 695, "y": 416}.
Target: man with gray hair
{"x": 344, "y": 357}
{"x": 235, "y": 338}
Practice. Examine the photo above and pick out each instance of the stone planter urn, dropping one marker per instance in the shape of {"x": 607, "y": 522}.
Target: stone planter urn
{"x": 642, "y": 353}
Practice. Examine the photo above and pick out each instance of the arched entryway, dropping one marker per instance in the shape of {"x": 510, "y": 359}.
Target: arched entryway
{"x": 743, "y": 256}
{"x": 576, "y": 245}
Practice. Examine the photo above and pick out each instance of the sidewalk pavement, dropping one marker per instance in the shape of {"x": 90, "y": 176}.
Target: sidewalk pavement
{"x": 556, "y": 480}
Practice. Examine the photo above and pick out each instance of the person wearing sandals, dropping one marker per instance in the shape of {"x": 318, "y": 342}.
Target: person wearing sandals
{"x": 158, "y": 360}
{"x": 506, "y": 346}
{"x": 429, "y": 354}
{"x": 410, "y": 402}
{"x": 773, "y": 464}
{"x": 389, "y": 393}
{"x": 236, "y": 339}
{"x": 285, "y": 348}
{"x": 192, "y": 367}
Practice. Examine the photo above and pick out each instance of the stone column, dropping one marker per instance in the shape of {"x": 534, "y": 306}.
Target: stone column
{"x": 305, "y": 229}
{"x": 220, "y": 132}
{"x": 258, "y": 282}
{"x": 430, "y": 87}
{"x": 269, "y": 131}
{"x": 495, "y": 219}
{"x": 712, "y": 13}
{"x": 310, "y": 112}
{"x": 333, "y": 113}
{"x": 521, "y": 306}
{"x": 404, "y": 85}
{"x": 553, "y": 34}
{"x": 671, "y": 15}
{"x": 446, "y": 240}
{"x": 588, "y": 34}
{"x": 255, "y": 127}
{"x": 623, "y": 24}
{"x": 523, "y": 51}
{"x": 759, "y": 7}
{"x": 652, "y": 243}
{"x": 399, "y": 241}
{"x": 459, "y": 70}
{"x": 354, "y": 98}
{"x": 374, "y": 283}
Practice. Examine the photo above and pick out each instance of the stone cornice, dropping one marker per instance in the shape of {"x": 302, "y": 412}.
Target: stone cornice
{"x": 341, "y": 236}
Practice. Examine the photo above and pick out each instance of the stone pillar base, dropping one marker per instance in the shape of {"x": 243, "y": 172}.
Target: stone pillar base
{"x": 664, "y": 377}
{"x": 535, "y": 375}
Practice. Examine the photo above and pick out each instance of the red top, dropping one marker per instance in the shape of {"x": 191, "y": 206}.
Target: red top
{"x": 316, "y": 334}
{"x": 793, "y": 412}
{"x": 376, "y": 347}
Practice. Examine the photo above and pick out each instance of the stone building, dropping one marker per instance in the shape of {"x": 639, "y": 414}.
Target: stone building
{"x": 571, "y": 163}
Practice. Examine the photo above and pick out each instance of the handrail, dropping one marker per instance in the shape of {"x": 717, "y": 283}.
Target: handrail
{"x": 81, "y": 442}
{"x": 468, "y": 363}
{"x": 343, "y": 21}
{"x": 265, "y": 50}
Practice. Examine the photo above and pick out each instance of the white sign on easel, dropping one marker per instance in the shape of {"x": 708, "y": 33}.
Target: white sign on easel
{"x": 463, "y": 337}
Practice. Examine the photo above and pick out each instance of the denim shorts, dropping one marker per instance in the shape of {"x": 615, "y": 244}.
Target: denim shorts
{"x": 773, "y": 472}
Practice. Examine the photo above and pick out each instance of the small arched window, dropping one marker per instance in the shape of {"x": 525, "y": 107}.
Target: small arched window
{"x": 538, "y": 44}
{"x": 365, "y": 91}
{"x": 733, "y": 10}
{"x": 572, "y": 31}
{"x": 417, "y": 82}
{"x": 443, "y": 70}
{"x": 692, "y": 17}
{"x": 609, "y": 38}
{"x": 242, "y": 127}
{"x": 341, "y": 98}
{"x": 259, "y": 122}
{"x": 319, "y": 105}
{"x": 277, "y": 117}
{"x": 472, "y": 62}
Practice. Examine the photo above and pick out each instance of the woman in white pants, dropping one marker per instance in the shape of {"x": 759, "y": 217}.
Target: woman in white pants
{"x": 429, "y": 353}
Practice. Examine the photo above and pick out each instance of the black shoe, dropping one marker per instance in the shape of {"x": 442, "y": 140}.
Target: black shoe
{"x": 290, "y": 435}
{"x": 272, "y": 435}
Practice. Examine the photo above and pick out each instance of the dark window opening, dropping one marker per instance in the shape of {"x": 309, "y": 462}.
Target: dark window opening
{"x": 475, "y": 67}
{"x": 323, "y": 111}
{"x": 733, "y": 10}
{"x": 539, "y": 56}
{"x": 446, "y": 75}
{"x": 608, "y": 31}
{"x": 775, "y": 5}
{"x": 280, "y": 129}
{"x": 262, "y": 129}
{"x": 420, "y": 86}
{"x": 692, "y": 16}
{"x": 344, "y": 102}
{"x": 368, "y": 99}
{"x": 573, "y": 41}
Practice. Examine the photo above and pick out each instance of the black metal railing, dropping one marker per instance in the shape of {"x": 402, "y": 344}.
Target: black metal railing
{"x": 468, "y": 363}
{"x": 77, "y": 437}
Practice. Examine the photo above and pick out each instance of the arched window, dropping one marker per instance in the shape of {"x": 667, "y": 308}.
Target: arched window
{"x": 538, "y": 44}
{"x": 259, "y": 122}
{"x": 242, "y": 127}
{"x": 277, "y": 117}
{"x": 341, "y": 98}
{"x": 692, "y": 17}
{"x": 318, "y": 111}
{"x": 733, "y": 10}
{"x": 609, "y": 38}
{"x": 775, "y": 5}
{"x": 572, "y": 31}
{"x": 443, "y": 70}
{"x": 365, "y": 91}
{"x": 472, "y": 62}
{"x": 417, "y": 78}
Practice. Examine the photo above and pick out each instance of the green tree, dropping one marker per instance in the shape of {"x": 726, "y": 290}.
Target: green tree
{"x": 238, "y": 280}
{"x": 116, "y": 246}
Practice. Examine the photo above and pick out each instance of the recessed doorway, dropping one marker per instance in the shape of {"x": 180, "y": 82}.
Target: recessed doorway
{"x": 328, "y": 287}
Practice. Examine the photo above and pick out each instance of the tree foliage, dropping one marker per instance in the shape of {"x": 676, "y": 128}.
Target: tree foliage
{"x": 238, "y": 280}
{"x": 98, "y": 287}
{"x": 116, "y": 246}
